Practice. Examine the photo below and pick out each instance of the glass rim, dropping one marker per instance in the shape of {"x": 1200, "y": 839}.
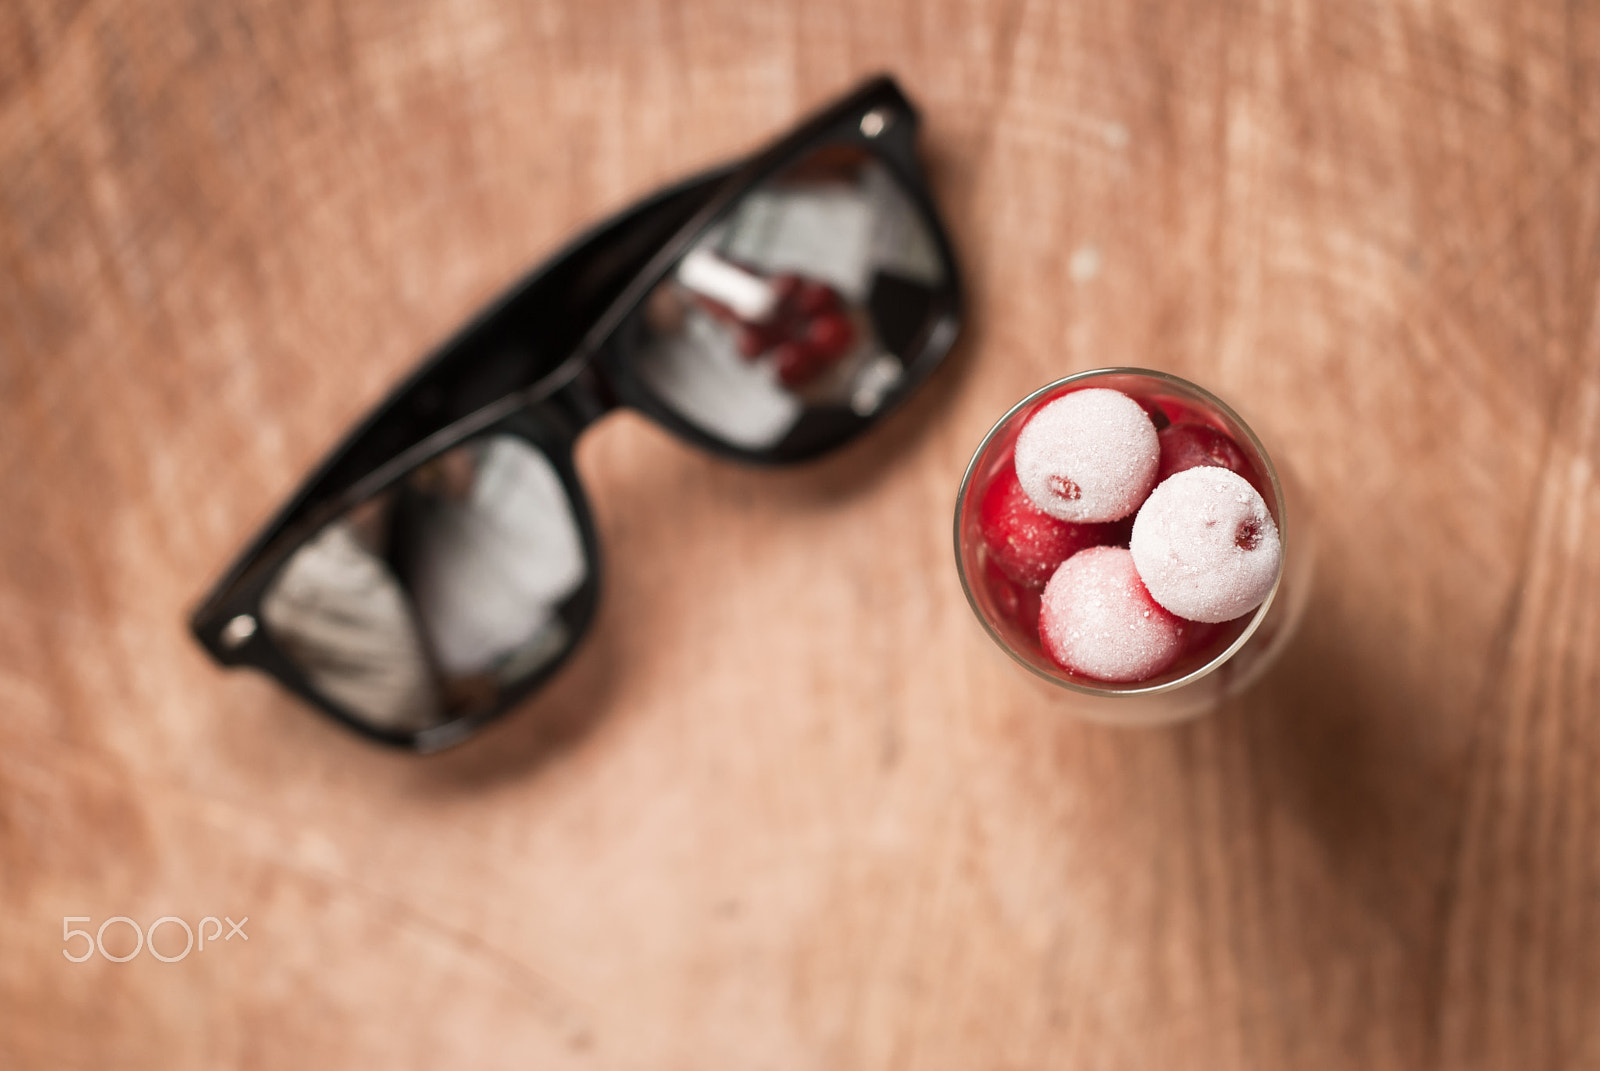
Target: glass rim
{"x": 1111, "y": 691}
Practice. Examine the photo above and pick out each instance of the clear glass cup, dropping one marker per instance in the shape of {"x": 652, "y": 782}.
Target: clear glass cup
{"x": 1233, "y": 656}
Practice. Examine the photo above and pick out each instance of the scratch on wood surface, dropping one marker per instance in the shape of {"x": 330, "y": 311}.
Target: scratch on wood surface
{"x": 1538, "y": 694}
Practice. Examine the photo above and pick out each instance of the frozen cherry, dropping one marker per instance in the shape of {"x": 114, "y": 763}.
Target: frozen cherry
{"x": 1188, "y": 446}
{"x": 1097, "y": 619}
{"x": 1206, "y": 545}
{"x": 1026, "y": 542}
{"x": 1090, "y": 455}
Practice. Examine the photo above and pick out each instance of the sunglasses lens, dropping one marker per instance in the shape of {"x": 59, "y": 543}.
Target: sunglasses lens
{"x": 811, "y": 297}
{"x": 429, "y": 600}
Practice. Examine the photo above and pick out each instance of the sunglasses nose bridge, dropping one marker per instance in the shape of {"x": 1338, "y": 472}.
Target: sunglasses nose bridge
{"x": 585, "y": 398}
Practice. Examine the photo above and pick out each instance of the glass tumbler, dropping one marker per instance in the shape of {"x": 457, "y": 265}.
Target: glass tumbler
{"x": 1222, "y": 660}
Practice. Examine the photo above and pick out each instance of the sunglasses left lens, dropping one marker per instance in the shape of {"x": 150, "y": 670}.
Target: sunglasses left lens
{"x": 809, "y": 300}
{"x": 431, "y": 599}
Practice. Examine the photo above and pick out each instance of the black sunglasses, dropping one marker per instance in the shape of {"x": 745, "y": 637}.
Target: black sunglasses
{"x": 442, "y": 562}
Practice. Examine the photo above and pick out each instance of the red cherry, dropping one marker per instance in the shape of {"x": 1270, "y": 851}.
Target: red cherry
{"x": 815, "y": 298}
{"x": 1113, "y": 533}
{"x": 1170, "y": 410}
{"x": 1158, "y": 416}
{"x": 1197, "y": 635}
{"x": 798, "y": 363}
{"x": 1027, "y": 543}
{"x": 830, "y": 335}
{"x": 1015, "y": 604}
{"x": 1189, "y": 446}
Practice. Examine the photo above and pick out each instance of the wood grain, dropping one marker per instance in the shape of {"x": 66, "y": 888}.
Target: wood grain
{"x": 787, "y": 809}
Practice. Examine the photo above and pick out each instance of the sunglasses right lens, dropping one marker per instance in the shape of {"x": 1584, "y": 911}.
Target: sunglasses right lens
{"x": 427, "y": 601}
{"x": 813, "y": 294}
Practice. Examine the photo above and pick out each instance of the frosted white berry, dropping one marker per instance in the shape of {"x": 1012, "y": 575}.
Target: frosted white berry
{"x": 1088, "y": 456}
{"x": 1097, "y": 619}
{"x": 1205, "y": 545}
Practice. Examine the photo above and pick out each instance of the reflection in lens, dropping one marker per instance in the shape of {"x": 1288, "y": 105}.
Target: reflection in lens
{"x": 489, "y": 555}
{"x": 426, "y": 601}
{"x": 338, "y": 613}
{"x": 812, "y": 292}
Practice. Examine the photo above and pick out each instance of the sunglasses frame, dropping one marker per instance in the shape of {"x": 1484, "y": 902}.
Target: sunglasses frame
{"x": 543, "y": 363}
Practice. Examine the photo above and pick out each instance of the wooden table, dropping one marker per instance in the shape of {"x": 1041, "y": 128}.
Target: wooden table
{"x": 788, "y": 808}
